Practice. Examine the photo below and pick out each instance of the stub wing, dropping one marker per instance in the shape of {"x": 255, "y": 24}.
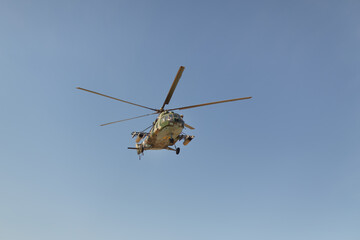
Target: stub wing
{"x": 139, "y": 135}
{"x": 186, "y": 138}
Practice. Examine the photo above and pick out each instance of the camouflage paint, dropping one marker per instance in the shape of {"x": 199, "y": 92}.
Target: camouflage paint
{"x": 167, "y": 125}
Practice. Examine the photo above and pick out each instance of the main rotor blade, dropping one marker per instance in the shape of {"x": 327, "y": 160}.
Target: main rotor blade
{"x": 188, "y": 126}
{"x": 173, "y": 86}
{"x": 205, "y": 104}
{"x": 128, "y": 119}
{"x": 116, "y": 99}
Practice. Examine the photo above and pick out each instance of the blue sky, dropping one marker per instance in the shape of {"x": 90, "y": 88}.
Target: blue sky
{"x": 283, "y": 165}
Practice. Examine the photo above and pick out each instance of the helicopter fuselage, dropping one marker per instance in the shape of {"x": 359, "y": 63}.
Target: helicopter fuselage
{"x": 165, "y": 131}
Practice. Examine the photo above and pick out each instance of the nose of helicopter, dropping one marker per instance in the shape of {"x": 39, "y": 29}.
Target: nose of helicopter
{"x": 178, "y": 121}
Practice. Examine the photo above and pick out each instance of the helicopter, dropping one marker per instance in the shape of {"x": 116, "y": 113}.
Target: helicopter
{"x": 167, "y": 129}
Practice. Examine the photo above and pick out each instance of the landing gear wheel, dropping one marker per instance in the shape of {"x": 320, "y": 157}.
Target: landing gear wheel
{"x": 177, "y": 150}
{"x": 171, "y": 140}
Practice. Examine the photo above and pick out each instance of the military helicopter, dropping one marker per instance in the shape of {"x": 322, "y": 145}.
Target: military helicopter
{"x": 167, "y": 128}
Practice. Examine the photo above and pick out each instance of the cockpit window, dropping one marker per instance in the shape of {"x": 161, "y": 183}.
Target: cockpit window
{"x": 163, "y": 119}
{"x": 170, "y": 117}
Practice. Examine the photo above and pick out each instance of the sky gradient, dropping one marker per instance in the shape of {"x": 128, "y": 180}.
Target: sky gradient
{"x": 282, "y": 165}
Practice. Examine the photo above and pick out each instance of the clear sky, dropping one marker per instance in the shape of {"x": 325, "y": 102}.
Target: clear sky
{"x": 283, "y": 165}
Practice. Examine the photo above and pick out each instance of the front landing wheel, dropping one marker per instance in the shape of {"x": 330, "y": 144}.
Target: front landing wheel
{"x": 177, "y": 150}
